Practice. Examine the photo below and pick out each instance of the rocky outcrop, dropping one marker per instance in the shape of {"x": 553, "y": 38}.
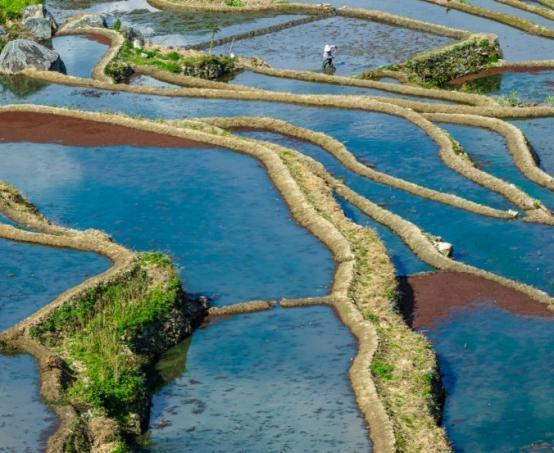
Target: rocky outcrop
{"x": 84, "y": 21}
{"x": 38, "y": 22}
{"x": 21, "y": 54}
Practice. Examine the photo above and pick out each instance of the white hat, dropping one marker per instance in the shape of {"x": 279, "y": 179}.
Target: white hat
{"x": 327, "y": 48}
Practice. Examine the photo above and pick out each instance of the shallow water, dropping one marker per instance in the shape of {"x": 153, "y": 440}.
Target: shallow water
{"x": 513, "y": 249}
{"x": 30, "y": 278}
{"x": 200, "y": 205}
{"x": 404, "y": 260}
{"x": 301, "y": 87}
{"x": 79, "y": 54}
{"x": 516, "y": 45}
{"x": 264, "y": 379}
{"x": 507, "y": 9}
{"x": 171, "y": 28}
{"x": 539, "y": 134}
{"x": 488, "y": 150}
{"x": 533, "y": 86}
{"x": 361, "y": 45}
{"x": 25, "y": 422}
{"x": 496, "y": 369}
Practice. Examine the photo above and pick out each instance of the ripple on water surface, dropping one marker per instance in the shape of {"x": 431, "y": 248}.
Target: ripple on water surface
{"x": 263, "y": 382}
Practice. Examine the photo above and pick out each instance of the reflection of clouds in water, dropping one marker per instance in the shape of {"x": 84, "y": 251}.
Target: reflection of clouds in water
{"x": 32, "y": 167}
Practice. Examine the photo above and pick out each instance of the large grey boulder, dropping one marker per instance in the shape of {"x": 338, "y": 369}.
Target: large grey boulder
{"x": 21, "y": 54}
{"x": 85, "y": 21}
{"x": 39, "y": 28}
{"x": 38, "y": 22}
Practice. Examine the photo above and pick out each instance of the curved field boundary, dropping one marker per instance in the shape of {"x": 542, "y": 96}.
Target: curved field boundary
{"x": 380, "y": 105}
{"x": 539, "y": 10}
{"x": 277, "y": 8}
{"x": 418, "y": 242}
{"x": 348, "y": 102}
{"x": 343, "y": 155}
{"x": 314, "y": 220}
{"x": 117, "y": 40}
{"x": 15, "y": 207}
{"x": 310, "y": 218}
{"x": 513, "y": 21}
{"x": 516, "y": 141}
{"x": 410, "y": 90}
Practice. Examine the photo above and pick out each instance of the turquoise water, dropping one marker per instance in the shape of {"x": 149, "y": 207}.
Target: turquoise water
{"x": 538, "y": 133}
{"x": 79, "y": 54}
{"x": 361, "y": 45}
{"x": 404, "y": 260}
{"x": 527, "y": 87}
{"x": 264, "y": 381}
{"x": 484, "y": 353}
{"x": 30, "y": 278}
{"x": 488, "y": 150}
{"x": 513, "y": 249}
{"x": 497, "y": 369}
{"x": 200, "y": 205}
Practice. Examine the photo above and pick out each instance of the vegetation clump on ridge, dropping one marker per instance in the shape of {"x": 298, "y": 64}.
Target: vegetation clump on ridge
{"x": 404, "y": 366}
{"x": 196, "y": 64}
{"x": 109, "y": 336}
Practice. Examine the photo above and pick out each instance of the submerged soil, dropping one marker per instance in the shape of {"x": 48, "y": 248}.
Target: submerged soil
{"x": 45, "y": 128}
{"x": 428, "y": 298}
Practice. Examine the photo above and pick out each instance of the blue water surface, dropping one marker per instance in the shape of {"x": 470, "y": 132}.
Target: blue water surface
{"x": 264, "y": 381}
{"x": 79, "y": 53}
{"x": 496, "y": 368}
{"x": 215, "y": 211}
{"x": 30, "y": 278}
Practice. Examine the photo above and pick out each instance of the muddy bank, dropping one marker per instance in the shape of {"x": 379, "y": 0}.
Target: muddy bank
{"x": 44, "y": 128}
{"x": 428, "y": 298}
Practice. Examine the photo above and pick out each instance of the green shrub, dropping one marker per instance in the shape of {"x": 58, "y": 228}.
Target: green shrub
{"x": 117, "y": 25}
{"x": 382, "y": 370}
{"x": 12, "y": 9}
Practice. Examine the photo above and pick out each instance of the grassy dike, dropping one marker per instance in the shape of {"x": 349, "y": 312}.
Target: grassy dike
{"x": 120, "y": 69}
{"x": 403, "y": 366}
{"x": 108, "y": 338}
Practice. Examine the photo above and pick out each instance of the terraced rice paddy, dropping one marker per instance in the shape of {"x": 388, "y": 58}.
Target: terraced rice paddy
{"x": 277, "y": 189}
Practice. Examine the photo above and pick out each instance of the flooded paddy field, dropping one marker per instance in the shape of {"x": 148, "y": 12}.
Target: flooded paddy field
{"x": 284, "y": 379}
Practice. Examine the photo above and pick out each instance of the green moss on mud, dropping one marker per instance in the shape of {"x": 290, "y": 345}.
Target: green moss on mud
{"x": 98, "y": 335}
{"x": 13, "y": 9}
{"x": 438, "y": 67}
{"x": 203, "y": 66}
